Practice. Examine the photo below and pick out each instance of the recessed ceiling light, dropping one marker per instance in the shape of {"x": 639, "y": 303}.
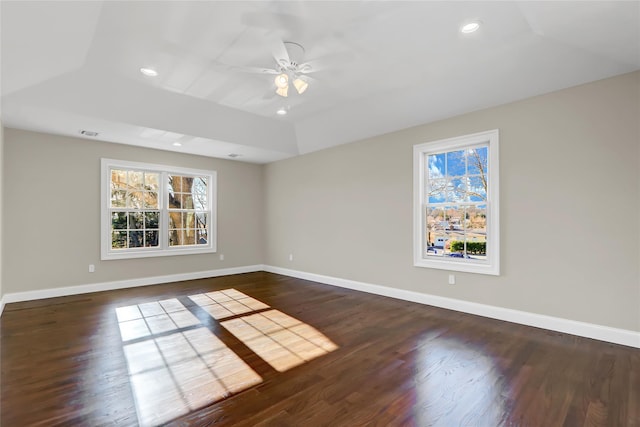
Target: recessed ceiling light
{"x": 281, "y": 111}
{"x": 470, "y": 27}
{"x": 177, "y": 144}
{"x": 149, "y": 72}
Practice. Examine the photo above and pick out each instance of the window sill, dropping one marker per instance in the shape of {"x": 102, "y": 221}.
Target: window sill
{"x": 462, "y": 266}
{"x": 152, "y": 253}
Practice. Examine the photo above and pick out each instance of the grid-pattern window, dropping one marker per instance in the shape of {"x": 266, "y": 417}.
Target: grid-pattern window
{"x": 456, "y": 208}
{"x": 188, "y": 210}
{"x": 134, "y": 203}
{"x": 456, "y": 204}
{"x": 154, "y": 210}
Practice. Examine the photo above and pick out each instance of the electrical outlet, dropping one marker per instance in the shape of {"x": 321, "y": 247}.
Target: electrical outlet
{"x": 290, "y": 257}
{"x": 452, "y": 279}
{"x": 221, "y": 257}
{"x": 92, "y": 268}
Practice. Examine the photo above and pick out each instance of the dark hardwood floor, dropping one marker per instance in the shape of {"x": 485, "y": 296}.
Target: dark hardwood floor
{"x": 269, "y": 350}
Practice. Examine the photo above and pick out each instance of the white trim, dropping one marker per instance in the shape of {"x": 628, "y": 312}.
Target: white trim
{"x": 492, "y": 264}
{"x": 121, "y": 284}
{"x": 583, "y": 329}
{"x": 1, "y": 305}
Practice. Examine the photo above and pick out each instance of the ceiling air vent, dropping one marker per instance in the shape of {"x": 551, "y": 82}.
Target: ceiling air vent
{"x": 234, "y": 155}
{"x": 89, "y": 133}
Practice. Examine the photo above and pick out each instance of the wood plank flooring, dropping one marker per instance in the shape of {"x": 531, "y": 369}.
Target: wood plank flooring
{"x": 261, "y": 349}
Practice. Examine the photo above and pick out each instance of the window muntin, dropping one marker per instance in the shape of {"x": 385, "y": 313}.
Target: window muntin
{"x": 456, "y": 204}
{"x": 155, "y": 210}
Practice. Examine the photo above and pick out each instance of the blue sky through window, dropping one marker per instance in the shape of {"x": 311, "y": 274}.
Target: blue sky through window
{"x": 458, "y": 176}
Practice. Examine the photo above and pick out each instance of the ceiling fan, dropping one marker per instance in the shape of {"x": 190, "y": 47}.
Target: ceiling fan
{"x": 289, "y": 70}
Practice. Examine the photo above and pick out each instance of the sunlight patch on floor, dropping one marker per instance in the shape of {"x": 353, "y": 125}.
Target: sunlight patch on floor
{"x": 173, "y": 370}
{"x": 227, "y": 303}
{"x": 281, "y": 340}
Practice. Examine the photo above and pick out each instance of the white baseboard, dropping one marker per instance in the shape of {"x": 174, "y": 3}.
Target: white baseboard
{"x": 583, "y": 329}
{"x": 121, "y": 284}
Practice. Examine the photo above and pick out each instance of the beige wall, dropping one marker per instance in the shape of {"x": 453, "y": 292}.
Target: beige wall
{"x": 570, "y": 197}
{"x": 570, "y": 193}
{"x": 52, "y": 213}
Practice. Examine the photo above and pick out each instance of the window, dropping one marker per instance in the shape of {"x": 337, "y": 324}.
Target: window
{"x": 154, "y": 210}
{"x": 456, "y": 204}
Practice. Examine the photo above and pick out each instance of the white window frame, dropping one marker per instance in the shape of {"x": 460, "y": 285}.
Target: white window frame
{"x": 163, "y": 248}
{"x": 491, "y": 265}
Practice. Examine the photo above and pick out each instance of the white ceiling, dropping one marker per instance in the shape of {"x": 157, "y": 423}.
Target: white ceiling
{"x": 382, "y": 66}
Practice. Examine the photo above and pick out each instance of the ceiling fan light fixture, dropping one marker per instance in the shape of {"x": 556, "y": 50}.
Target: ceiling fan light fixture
{"x": 282, "y": 81}
{"x": 300, "y": 85}
{"x": 283, "y": 91}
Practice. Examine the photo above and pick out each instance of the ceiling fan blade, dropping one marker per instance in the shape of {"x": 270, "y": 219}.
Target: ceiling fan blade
{"x": 221, "y": 66}
{"x": 224, "y": 67}
{"x": 280, "y": 53}
{"x": 257, "y": 70}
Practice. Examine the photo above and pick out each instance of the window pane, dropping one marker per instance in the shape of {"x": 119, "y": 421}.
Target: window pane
{"x": 175, "y": 219}
{"x": 455, "y": 163}
{"x": 175, "y": 237}
{"x": 200, "y": 185}
{"x": 436, "y": 217}
{"x": 435, "y": 163}
{"x": 135, "y": 200}
{"x": 189, "y": 237}
{"x": 119, "y": 220}
{"x": 200, "y": 201}
{"x": 151, "y": 181}
{"x": 175, "y": 182}
{"x": 435, "y": 231}
{"x": 201, "y": 237}
{"x": 136, "y": 220}
{"x": 477, "y": 161}
{"x": 118, "y": 179}
{"x": 477, "y": 189}
{"x": 457, "y": 190}
{"x": 118, "y": 239}
{"x": 478, "y": 219}
{"x": 151, "y": 200}
{"x": 136, "y": 239}
{"x": 201, "y": 220}
{"x": 188, "y": 220}
{"x": 438, "y": 243}
{"x": 151, "y": 219}
{"x": 136, "y": 180}
{"x": 187, "y": 201}
{"x": 151, "y": 238}
{"x": 454, "y": 218}
{"x": 436, "y": 190}
{"x": 118, "y": 199}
